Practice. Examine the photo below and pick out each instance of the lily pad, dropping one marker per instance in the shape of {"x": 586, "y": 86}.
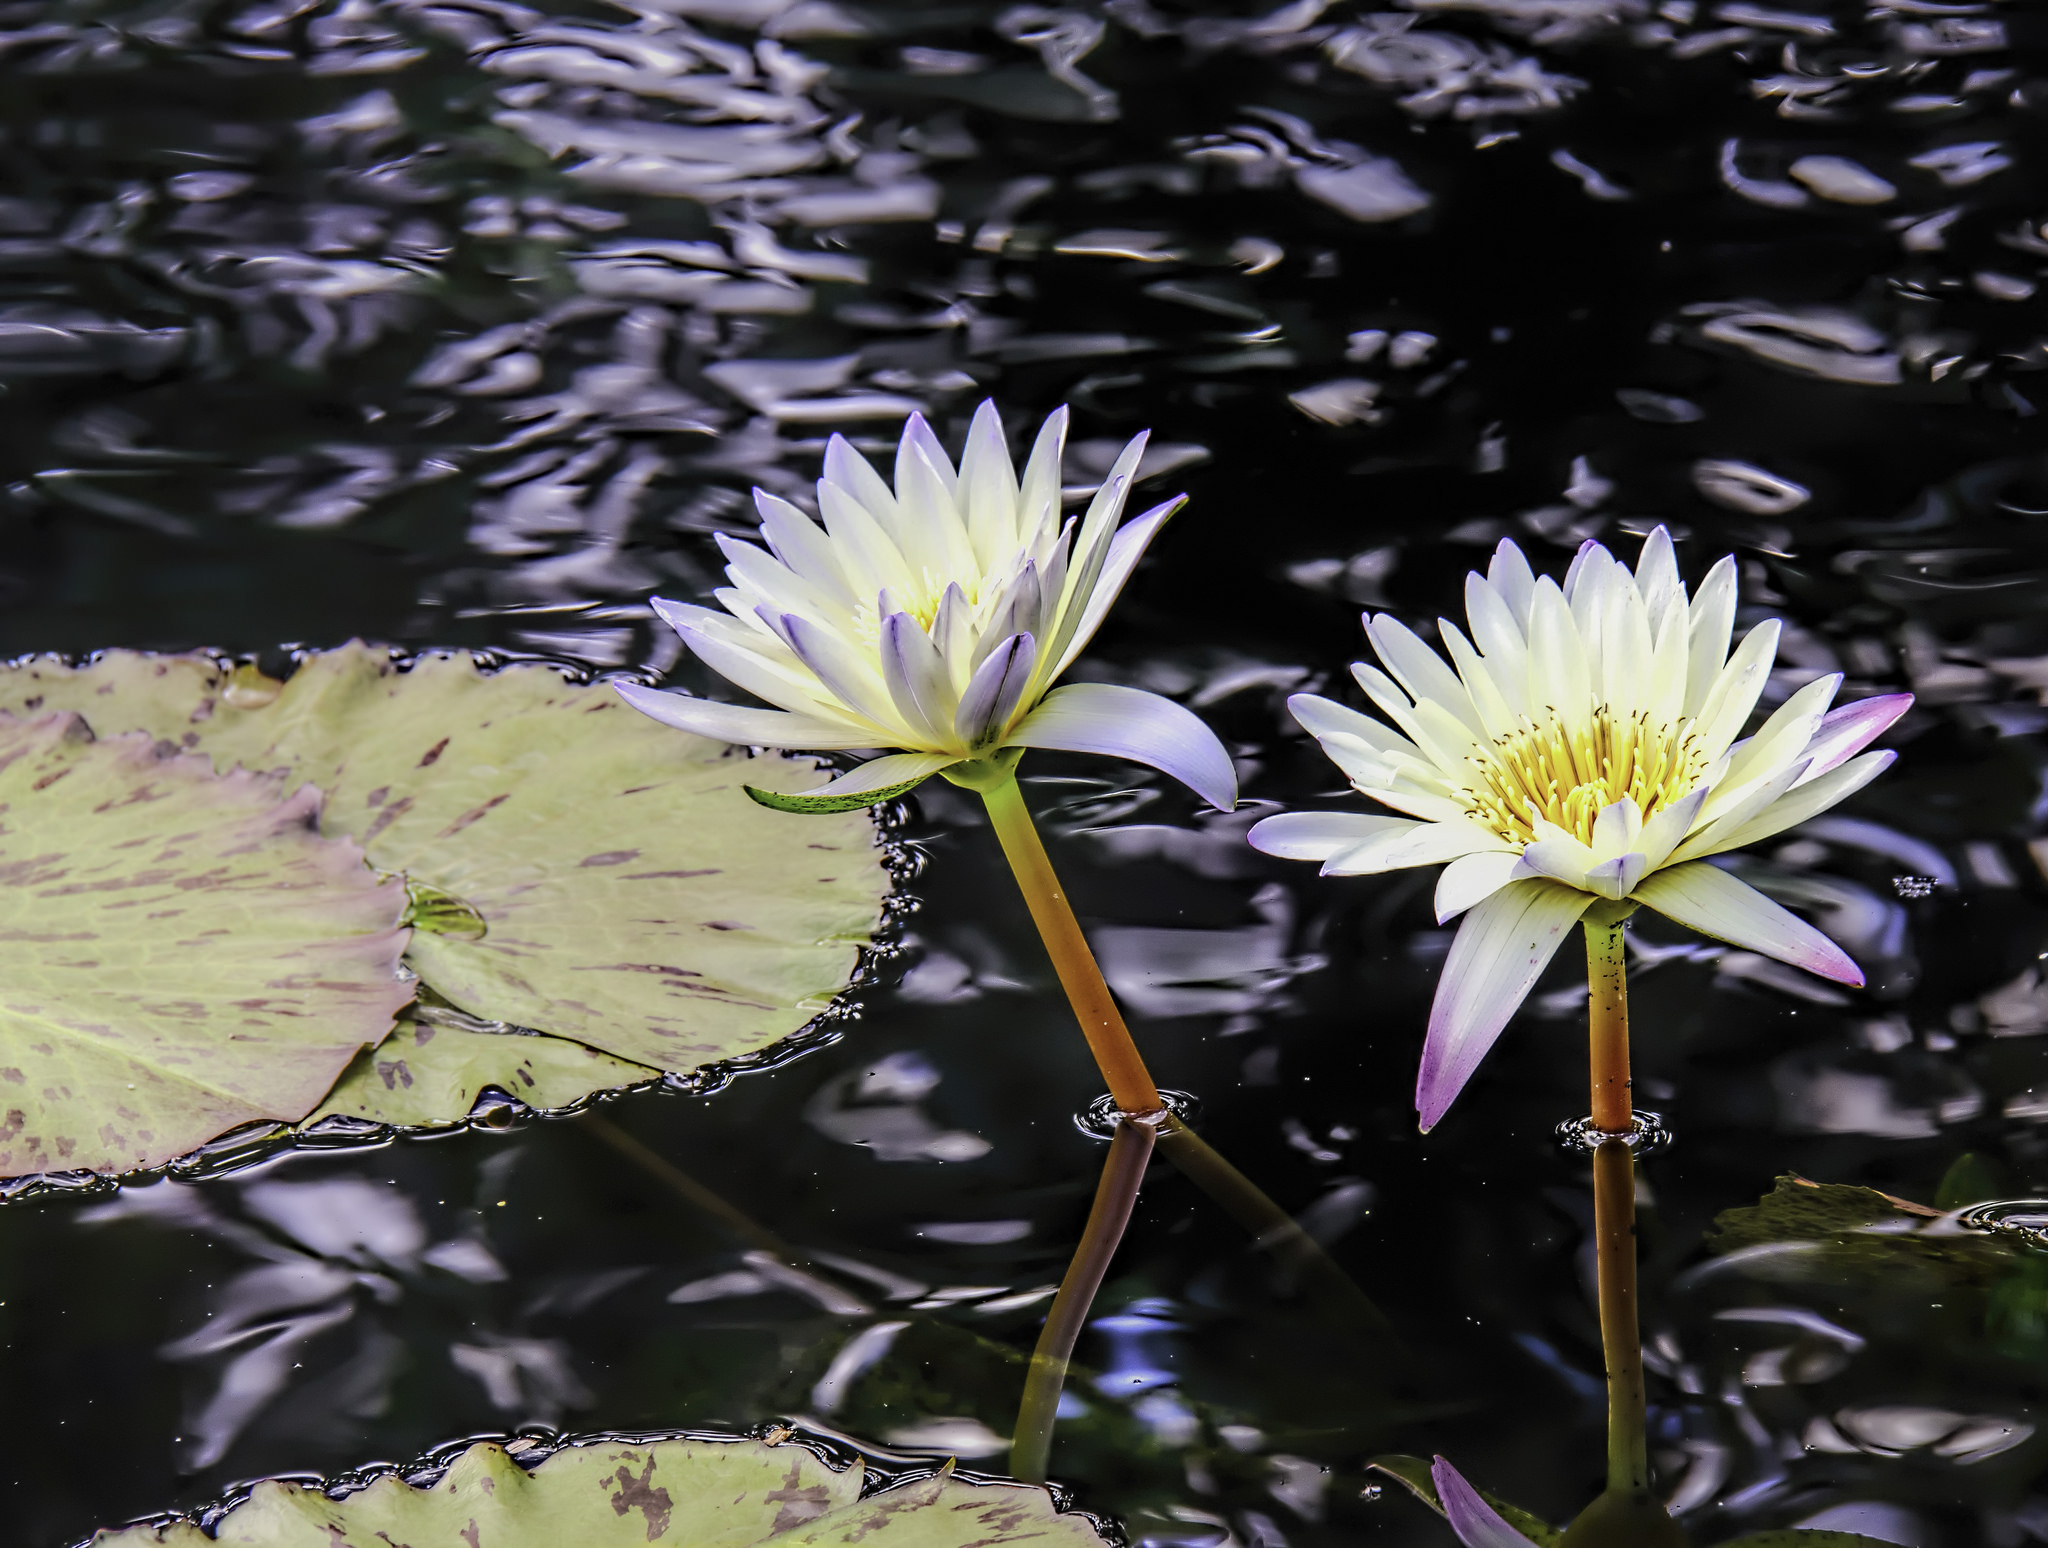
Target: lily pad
{"x": 576, "y": 868}
{"x": 614, "y": 1494}
{"x": 430, "y": 1073}
{"x": 182, "y": 952}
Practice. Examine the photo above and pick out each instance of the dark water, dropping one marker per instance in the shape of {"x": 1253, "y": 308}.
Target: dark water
{"x": 462, "y": 322}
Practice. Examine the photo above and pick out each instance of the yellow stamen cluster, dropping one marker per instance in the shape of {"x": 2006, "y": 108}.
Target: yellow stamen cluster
{"x": 1567, "y": 777}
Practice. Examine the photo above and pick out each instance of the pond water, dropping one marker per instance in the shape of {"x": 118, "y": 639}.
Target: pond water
{"x": 464, "y": 322}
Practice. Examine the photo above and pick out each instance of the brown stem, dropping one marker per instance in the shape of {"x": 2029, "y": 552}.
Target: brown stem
{"x": 1130, "y": 1083}
{"x": 1614, "y": 1207}
{"x": 1130, "y": 1150}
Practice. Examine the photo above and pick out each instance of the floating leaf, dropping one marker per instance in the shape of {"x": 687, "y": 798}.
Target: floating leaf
{"x": 183, "y": 952}
{"x": 427, "y": 1074}
{"x": 1797, "y": 1210}
{"x": 576, "y": 868}
{"x": 611, "y": 1494}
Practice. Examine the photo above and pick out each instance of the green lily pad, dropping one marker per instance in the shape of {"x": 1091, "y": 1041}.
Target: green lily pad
{"x": 431, "y": 1073}
{"x": 180, "y": 953}
{"x": 576, "y": 868}
{"x": 613, "y": 1494}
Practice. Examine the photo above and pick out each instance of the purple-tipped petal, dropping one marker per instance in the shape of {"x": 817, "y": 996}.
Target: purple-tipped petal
{"x": 1500, "y": 951}
{"x": 1845, "y": 732}
{"x": 1707, "y": 899}
{"x": 739, "y": 723}
{"x": 1130, "y": 723}
{"x": 992, "y": 693}
{"x": 1477, "y": 1523}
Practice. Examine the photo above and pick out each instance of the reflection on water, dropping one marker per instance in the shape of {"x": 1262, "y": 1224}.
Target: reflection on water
{"x": 466, "y": 322}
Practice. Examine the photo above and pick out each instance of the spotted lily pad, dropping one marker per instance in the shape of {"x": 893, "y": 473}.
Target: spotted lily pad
{"x": 575, "y": 868}
{"x": 612, "y": 1494}
{"x": 180, "y": 953}
{"x": 431, "y": 1073}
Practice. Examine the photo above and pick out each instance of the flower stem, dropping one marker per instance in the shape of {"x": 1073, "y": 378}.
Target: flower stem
{"x": 1614, "y": 1208}
{"x": 1130, "y": 1150}
{"x": 1130, "y": 1083}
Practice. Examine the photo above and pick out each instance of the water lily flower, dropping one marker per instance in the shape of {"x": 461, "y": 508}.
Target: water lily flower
{"x": 1579, "y": 750}
{"x": 933, "y": 618}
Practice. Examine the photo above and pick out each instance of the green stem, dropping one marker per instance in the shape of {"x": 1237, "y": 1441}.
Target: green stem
{"x": 1130, "y": 1083}
{"x": 1130, "y": 1150}
{"x": 1614, "y": 1208}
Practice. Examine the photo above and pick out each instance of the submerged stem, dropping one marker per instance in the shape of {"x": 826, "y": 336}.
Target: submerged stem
{"x": 1130, "y": 1083}
{"x": 1614, "y": 1208}
{"x": 1130, "y": 1150}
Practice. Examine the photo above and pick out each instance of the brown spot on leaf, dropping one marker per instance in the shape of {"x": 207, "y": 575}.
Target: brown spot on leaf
{"x": 640, "y": 1494}
{"x": 376, "y": 797}
{"x": 611, "y": 857}
{"x": 473, "y": 815}
{"x": 667, "y": 875}
{"x": 394, "y": 1074}
{"x": 433, "y": 755}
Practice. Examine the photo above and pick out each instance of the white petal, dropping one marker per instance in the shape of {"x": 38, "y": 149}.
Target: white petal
{"x": 1470, "y": 880}
{"x": 883, "y": 773}
{"x": 801, "y": 543}
{"x": 1709, "y": 900}
{"x": 1318, "y": 835}
{"x": 1712, "y": 619}
{"x": 1712, "y": 835}
{"x": 855, "y": 475}
{"x": 1513, "y": 581}
{"x": 1560, "y": 857}
{"x": 1617, "y": 828}
{"x": 1616, "y": 878}
{"x": 1130, "y": 723}
{"x": 1420, "y": 670}
{"x": 1082, "y": 616}
{"x": 1665, "y": 831}
{"x": 1038, "y": 496}
{"x": 988, "y": 487}
{"x": 1428, "y": 843}
{"x": 1783, "y": 738}
{"x": 1846, "y": 731}
{"x": 741, "y": 724}
{"x": 1736, "y": 690}
{"x": 1803, "y": 801}
{"x": 1657, "y": 578}
{"x": 1500, "y": 951}
{"x": 849, "y": 677}
{"x": 993, "y": 693}
{"x": 918, "y": 442}
{"x": 1559, "y": 680}
{"x": 916, "y": 677}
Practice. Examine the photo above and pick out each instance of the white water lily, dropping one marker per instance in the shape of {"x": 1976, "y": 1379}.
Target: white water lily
{"x": 1580, "y": 748}
{"x": 933, "y": 618}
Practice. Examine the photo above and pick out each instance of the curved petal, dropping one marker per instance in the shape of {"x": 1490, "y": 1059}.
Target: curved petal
{"x": 1084, "y": 615}
{"x": 1470, "y": 880}
{"x": 1809, "y": 800}
{"x": 1130, "y": 723}
{"x": 1707, "y": 899}
{"x": 1501, "y": 949}
{"x": 1319, "y": 835}
{"x": 885, "y": 775}
{"x": 1477, "y": 1523}
{"x": 994, "y": 691}
{"x": 741, "y": 724}
{"x": 1845, "y": 732}
{"x": 1427, "y": 843}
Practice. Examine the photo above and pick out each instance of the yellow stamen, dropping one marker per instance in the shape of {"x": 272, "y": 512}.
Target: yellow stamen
{"x": 1567, "y": 778}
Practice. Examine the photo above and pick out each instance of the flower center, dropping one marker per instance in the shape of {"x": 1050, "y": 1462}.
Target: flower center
{"x": 1567, "y": 778}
